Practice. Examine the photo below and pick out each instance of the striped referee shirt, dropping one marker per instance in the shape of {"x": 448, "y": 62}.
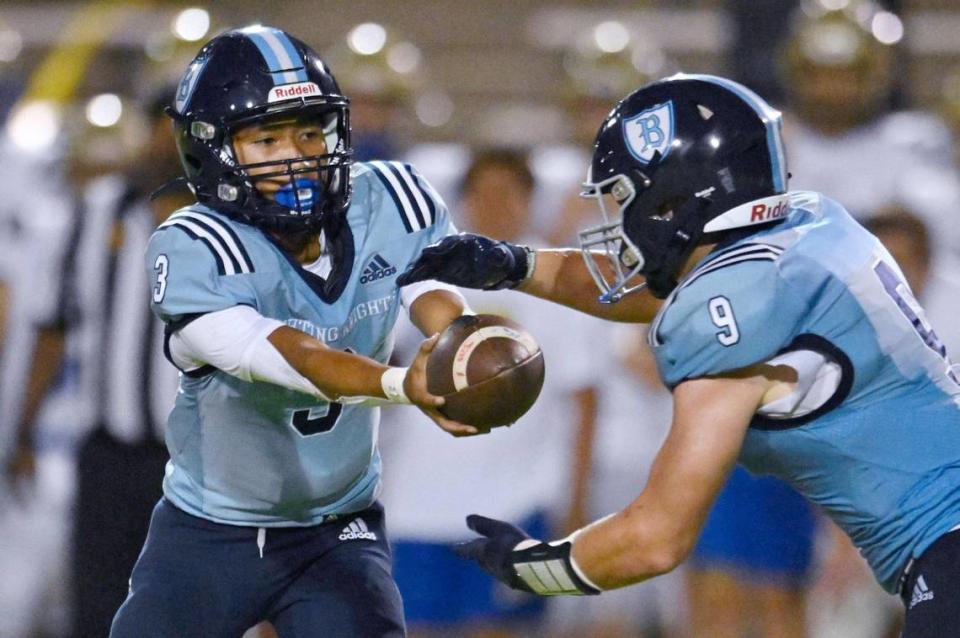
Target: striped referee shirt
{"x": 124, "y": 383}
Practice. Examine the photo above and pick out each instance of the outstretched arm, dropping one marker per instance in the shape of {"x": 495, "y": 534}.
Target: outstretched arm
{"x": 558, "y": 275}
{"x": 44, "y": 368}
{"x": 656, "y": 532}
{"x": 561, "y": 276}
{"x": 241, "y": 342}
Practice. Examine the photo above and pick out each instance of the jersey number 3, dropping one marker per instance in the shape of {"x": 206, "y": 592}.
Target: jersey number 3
{"x": 317, "y": 420}
{"x": 721, "y": 313}
{"x": 161, "y": 265}
{"x": 308, "y": 422}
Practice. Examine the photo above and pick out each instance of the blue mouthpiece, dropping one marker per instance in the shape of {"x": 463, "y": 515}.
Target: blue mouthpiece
{"x": 299, "y": 196}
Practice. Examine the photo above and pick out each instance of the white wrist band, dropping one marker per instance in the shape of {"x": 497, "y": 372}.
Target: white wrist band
{"x": 531, "y": 262}
{"x": 392, "y": 384}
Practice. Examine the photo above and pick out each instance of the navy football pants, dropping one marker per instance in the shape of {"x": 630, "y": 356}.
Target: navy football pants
{"x": 931, "y": 592}
{"x": 199, "y": 578}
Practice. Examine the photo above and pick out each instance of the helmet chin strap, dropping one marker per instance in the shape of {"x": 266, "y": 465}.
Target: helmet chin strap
{"x": 663, "y": 278}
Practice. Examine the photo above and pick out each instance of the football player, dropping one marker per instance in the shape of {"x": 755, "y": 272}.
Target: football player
{"x": 277, "y": 290}
{"x": 785, "y": 331}
{"x": 839, "y": 79}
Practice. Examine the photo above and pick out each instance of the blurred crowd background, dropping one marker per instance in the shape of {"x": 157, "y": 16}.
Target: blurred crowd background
{"x": 496, "y": 103}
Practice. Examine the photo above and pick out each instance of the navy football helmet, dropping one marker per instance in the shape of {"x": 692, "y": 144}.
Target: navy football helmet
{"x": 246, "y": 76}
{"x": 687, "y": 160}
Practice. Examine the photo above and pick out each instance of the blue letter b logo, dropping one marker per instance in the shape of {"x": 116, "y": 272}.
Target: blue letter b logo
{"x": 651, "y": 132}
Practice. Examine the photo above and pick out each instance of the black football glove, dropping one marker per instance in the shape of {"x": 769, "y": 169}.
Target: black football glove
{"x": 522, "y": 563}
{"x": 471, "y": 261}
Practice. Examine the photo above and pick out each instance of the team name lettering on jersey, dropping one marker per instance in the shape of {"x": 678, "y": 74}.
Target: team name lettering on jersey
{"x": 361, "y": 311}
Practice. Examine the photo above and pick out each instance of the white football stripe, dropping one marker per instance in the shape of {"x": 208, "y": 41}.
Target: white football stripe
{"x": 417, "y": 194}
{"x": 405, "y": 202}
{"x": 473, "y": 340}
{"x": 228, "y": 240}
{"x": 214, "y": 241}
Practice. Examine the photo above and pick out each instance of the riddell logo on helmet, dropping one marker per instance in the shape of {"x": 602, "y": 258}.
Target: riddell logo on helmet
{"x": 760, "y": 212}
{"x": 289, "y": 91}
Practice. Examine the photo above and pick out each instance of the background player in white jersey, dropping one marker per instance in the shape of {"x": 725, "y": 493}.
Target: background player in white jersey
{"x": 838, "y": 79}
{"x": 277, "y": 290}
{"x": 787, "y": 336}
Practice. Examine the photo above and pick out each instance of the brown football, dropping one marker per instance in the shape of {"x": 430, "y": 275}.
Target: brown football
{"x": 487, "y": 368}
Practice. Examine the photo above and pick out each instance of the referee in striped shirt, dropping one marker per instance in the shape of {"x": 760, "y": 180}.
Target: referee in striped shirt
{"x": 122, "y": 367}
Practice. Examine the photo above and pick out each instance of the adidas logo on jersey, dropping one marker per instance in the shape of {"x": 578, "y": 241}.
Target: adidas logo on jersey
{"x": 377, "y": 269}
{"x": 357, "y": 530}
{"x": 921, "y": 593}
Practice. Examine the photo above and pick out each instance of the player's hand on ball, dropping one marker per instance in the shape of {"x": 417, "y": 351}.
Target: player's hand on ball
{"x": 487, "y": 368}
{"x": 470, "y": 261}
{"x": 415, "y": 387}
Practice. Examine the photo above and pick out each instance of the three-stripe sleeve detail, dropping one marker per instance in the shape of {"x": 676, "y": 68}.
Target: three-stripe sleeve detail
{"x": 415, "y": 203}
{"x": 749, "y": 252}
{"x": 226, "y": 247}
{"x": 754, "y": 251}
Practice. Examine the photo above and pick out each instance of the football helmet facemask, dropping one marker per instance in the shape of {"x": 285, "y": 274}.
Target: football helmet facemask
{"x": 684, "y": 161}
{"x": 252, "y": 76}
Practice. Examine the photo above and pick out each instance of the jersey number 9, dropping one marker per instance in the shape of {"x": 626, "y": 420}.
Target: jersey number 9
{"x": 721, "y": 313}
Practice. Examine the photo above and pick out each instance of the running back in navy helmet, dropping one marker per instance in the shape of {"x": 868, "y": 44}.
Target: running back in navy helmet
{"x": 675, "y": 155}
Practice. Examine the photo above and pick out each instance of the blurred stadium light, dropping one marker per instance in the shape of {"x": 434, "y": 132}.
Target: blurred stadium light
{"x": 104, "y": 110}
{"x": 485, "y": 59}
{"x": 191, "y": 24}
{"x": 11, "y": 43}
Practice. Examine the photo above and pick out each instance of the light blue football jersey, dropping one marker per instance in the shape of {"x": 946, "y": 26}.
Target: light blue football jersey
{"x": 255, "y": 453}
{"x": 881, "y": 452}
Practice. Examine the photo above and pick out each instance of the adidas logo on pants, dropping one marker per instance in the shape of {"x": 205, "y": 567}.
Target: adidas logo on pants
{"x": 357, "y": 530}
